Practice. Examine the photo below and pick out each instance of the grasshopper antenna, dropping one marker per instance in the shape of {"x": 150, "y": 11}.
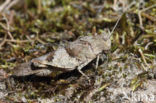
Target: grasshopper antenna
{"x": 110, "y": 33}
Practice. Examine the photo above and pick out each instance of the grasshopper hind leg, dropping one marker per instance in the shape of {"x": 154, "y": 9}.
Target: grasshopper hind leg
{"x": 81, "y": 66}
{"x": 83, "y": 73}
{"x": 41, "y": 72}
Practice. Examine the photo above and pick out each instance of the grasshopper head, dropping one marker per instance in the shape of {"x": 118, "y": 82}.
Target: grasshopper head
{"x": 106, "y": 41}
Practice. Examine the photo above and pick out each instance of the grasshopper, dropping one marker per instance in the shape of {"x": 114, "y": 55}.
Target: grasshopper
{"x": 74, "y": 55}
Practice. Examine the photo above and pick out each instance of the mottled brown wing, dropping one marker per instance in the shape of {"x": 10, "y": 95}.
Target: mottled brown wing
{"x": 80, "y": 50}
{"x": 60, "y": 59}
{"x": 25, "y": 69}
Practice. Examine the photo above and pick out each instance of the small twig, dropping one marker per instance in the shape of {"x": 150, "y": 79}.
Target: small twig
{"x": 103, "y": 87}
{"x": 8, "y": 4}
{"x": 8, "y": 27}
{"x": 148, "y": 17}
{"x": 140, "y": 13}
{"x": 146, "y": 47}
{"x": 16, "y": 41}
{"x": 150, "y": 7}
{"x": 140, "y": 20}
{"x": 2, "y": 7}
{"x": 3, "y": 26}
{"x": 39, "y": 40}
{"x": 11, "y": 4}
{"x": 143, "y": 66}
{"x": 3, "y": 42}
{"x": 143, "y": 58}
